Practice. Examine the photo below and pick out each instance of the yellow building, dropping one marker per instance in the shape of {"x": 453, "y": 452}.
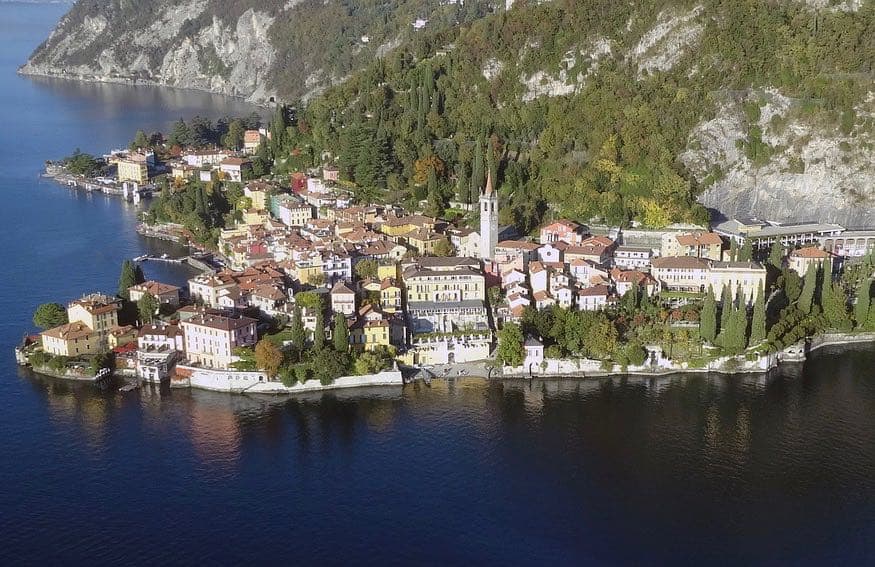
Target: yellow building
{"x": 387, "y": 269}
{"x": 121, "y": 336}
{"x": 97, "y": 311}
{"x": 309, "y": 272}
{"x": 748, "y": 277}
{"x": 699, "y": 244}
{"x": 72, "y": 339}
{"x": 254, "y": 217}
{"x": 370, "y": 335}
{"x": 424, "y": 241}
{"x": 258, "y": 192}
{"x": 390, "y": 296}
{"x": 400, "y": 226}
{"x": 133, "y": 170}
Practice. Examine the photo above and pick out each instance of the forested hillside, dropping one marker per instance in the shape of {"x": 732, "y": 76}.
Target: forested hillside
{"x": 588, "y": 108}
{"x": 601, "y": 109}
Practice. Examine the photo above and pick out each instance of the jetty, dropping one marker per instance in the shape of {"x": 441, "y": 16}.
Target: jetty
{"x": 202, "y": 262}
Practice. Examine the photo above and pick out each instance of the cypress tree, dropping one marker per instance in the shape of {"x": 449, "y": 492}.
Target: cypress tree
{"x": 725, "y": 309}
{"x": 776, "y": 255}
{"x": 127, "y": 278}
{"x": 746, "y": 252}
{"x": 341, "y": 333}
{"x": 319, "y": 333}
{"x": 733, "y": 250}
{"x": 736, "y": 335}
{"x": 835, "y": 306}
{"x": 708, "y": 319}
{"x": 806, "y": 298}
{"x": 861, "y": 308}
{"x": 297, "y": 331}
{"x": 758, "y": 322}
{"x": 825, "y": 288}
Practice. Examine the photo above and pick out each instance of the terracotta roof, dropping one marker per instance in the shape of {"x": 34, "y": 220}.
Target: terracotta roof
{"x": 699, "y": 238}
{"x": 594, "y": 291}
{"x": 570, "y": 224}
{"x": 160, "y": 329}
{"x": 341, "y": 289}
{"x": 518, "y": 245}
{"x": 680, "y": 263}
{"x": 70, "y": 331}
{"x": 219, "y": 322}
{"x": 810, "y": 252}
{"x": 155, "y": 288}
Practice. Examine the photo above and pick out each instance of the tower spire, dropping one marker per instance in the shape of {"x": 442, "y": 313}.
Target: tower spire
{"x": 488, "y": 190}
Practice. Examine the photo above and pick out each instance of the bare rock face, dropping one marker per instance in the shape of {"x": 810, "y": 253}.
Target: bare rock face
{"x": 807, "y": 168}
{"x": 175, "y": 46}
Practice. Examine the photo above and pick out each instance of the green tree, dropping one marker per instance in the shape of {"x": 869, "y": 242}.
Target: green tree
{"x": 319, "y": 333}
{"x": 245, "y": 359}
{"x": 366, "y": 269}
{"x": 864, "y": 300}
{"x": 180, "y": 134}
{"x": 758, "y": 321}
{"x": 725, "y": 309}
{"x": 341, "y": 333}
{"x": 444, "y": 248}
{"x": 233, "y": 138}
{"x": 776, "y": 255}
{"x": 835, "y": 306}
{"x": 510, "y": 351}
{"x": 297, "y": 333}
{"x": 708, "y": 318}
{"x": 49, "y": 315}
{"x": 733, "y": 250}
{"x": 745, "y": 254}
{"x": 147, "y": 307}
{"x": 735, "y": 337}
{"x": 268, "y": 357}
{"x": 129, "y": 276}
{"x": 140, "y": 141}
{"x": 309, "y": 300}
{"x": 809, "y": 285}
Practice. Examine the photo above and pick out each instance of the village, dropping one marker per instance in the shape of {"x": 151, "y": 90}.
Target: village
{"x": 305, "y": 268}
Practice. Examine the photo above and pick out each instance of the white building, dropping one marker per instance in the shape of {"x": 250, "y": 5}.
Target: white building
{"x": 488, "y": 220}
{"x": 210, "y": 340}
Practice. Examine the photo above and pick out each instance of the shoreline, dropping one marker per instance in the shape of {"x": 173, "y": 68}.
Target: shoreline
{"x": 23, "y": 71}
{"x": 224, "y": 381}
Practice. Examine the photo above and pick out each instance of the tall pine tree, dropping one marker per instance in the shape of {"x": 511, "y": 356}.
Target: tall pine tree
{"x": 745, "y": 254}
{"x": 319, "y": 332}
{"x": 809, "y": 285}
{"x": 758, "y": 322}
{"x": 298, "y": 334}
{"x": 725, "y": 309}
{"x": 864, "y": 300}
{"x": 708, "y": 319}
{"x": 776, "y": 255}
{"x": 341, "y": 334}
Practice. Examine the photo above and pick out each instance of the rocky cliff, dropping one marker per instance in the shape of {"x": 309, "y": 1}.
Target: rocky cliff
{"x": 254, "y": 49}
{"x": 808, "y": 168}
{"x": 176, "y": 43}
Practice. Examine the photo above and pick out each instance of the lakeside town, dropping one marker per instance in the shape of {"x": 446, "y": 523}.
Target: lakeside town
{"x": 308, "y": 282}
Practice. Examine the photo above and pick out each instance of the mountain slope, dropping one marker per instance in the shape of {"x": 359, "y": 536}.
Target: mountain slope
{"x": 256, "y": 49}
{"x": 590, "y": 108}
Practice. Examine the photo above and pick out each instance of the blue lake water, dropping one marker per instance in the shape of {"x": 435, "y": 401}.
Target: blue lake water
{"x": 757, "y": 470}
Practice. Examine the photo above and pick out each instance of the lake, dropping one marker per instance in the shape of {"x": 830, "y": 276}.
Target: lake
{"x": 776, "y": 469}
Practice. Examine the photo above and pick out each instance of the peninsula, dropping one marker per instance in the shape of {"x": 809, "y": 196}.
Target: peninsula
{"x": 312, "y": 273}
